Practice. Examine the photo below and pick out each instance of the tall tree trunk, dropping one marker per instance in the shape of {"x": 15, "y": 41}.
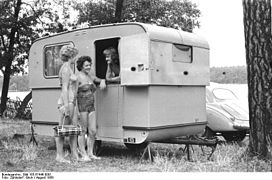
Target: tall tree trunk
{"x": 118, "y": 10}
{"x": 257, "y": 29}
{"x": 9, "y": 57}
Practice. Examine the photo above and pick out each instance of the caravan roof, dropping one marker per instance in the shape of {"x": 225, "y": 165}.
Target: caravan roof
{"x": 155, "y": 33}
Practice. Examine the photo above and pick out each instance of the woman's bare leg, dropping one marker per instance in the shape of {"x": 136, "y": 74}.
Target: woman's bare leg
{"x": 60, "y": 153}
{"x": 91, "y": 134}
{"x": 59, "y": 146}
{"x": 73, "y": 139}
{"x": 81, "y": 138}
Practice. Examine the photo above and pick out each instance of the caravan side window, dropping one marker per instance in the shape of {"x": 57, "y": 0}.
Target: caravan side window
{"x": 182, "y": 53}
{"x": 52, "y": 61}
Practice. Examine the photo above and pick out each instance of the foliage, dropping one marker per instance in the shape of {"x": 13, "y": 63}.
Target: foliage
{"x": 24, "y": 33}
{"x": 229, "y": 75}
{"x": 96, "y": 12}
{"x": 61, "y": 18}
{"x": 36, "y": 19}
{"x": 179, "y": 14}
{"x": 17, "y": 83}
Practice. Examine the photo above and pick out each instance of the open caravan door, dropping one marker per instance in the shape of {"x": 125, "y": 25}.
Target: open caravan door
{"x": 134, "y": 60}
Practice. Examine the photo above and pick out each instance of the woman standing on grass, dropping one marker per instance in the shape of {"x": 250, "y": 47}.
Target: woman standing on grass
{"x": 67, "y": 100}
{"x": 85, "y": 100}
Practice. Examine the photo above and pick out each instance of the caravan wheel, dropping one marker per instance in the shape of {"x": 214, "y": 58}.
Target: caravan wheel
{"x": 136, "y": 147}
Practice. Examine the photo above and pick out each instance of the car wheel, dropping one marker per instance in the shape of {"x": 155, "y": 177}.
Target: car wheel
{"x": 136, "y": 147}
{"x": 208, "y": 133}
{"x": 234, "y": 136}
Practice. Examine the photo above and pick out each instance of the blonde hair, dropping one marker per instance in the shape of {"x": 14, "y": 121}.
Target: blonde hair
{"x": 67, "y": 52}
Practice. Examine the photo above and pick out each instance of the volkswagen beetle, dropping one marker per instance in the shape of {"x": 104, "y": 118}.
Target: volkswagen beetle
{"x": 226, "y": 114}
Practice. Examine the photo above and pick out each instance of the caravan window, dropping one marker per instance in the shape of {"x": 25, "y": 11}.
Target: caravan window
{"x": 182, "y": 53}
{"x": 52, "y": 61}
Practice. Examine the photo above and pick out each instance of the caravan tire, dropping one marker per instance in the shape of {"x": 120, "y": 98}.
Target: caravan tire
{"x": 136, "y": 147}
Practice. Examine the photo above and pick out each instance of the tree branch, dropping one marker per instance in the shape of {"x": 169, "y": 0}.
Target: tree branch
{"x": 35, "y": 13}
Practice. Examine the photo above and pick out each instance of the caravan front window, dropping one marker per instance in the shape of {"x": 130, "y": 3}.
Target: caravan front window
{"x": 52, "y": 61}
{"x": 182, "y": 53}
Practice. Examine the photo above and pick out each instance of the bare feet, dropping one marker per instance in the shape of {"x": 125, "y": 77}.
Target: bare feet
{"x": 85, "y": 159}
{"x": 62, "y": 160}
{"x": 66, "y": 154}
{"x": 94, "y": 157}
{"x": 75, "y": 156}
{"x": 79, "y": 152}
{"x": 74, "y": 159}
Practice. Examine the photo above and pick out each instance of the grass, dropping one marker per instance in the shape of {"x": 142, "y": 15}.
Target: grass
{"x": 17, "y": 154}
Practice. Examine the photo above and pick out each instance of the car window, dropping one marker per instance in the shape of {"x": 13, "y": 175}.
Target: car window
{"x": 224, "y": 94}
{"x": 209, "y": 96}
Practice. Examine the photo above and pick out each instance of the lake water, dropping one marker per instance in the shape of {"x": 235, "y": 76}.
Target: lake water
{"x": 20, "y": 94}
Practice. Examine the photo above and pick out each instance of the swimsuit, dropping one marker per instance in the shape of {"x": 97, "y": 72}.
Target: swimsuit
{"x": 85, "y": 98}
{"x": 71, "y": 86}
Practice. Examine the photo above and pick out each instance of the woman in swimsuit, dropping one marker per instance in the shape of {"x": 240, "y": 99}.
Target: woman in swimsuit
{"x": 85, "y": 100}
{"x": 67, "y": 100}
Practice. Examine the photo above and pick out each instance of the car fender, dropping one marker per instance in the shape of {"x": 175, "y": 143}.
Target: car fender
{"x": 218, "y": 119}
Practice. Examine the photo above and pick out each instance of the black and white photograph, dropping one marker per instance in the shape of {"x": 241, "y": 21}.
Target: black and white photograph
{"x": 138, "y": 86}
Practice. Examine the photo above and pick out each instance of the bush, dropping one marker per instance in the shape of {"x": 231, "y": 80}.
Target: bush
{"x": 229, "y": 75}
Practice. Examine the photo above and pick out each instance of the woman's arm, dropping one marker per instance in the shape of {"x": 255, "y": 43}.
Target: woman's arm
{"x": 114, "y": 79}
{"x": 65, "y": 75}
{"x": 102, "y": 82}
{"x": 108, "y": 73}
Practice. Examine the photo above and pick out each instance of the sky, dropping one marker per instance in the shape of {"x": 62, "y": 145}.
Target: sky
{"x": 222, "y": 25}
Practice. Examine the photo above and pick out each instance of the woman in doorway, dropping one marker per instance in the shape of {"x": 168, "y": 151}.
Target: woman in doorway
{"x": 67, "y": 100}
{"x": 85, "y": 100}
{"x": 113, "y": 65}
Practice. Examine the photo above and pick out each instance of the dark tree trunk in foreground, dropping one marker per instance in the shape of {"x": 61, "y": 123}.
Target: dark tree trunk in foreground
{"x": 257, "y": 28}
{"x": 9, "y": 57}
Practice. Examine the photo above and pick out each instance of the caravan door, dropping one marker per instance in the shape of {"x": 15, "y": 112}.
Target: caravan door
{"x": 134, "y": 60}
{"x": 109, "y": 125}
{"x": 108, "y": 112}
